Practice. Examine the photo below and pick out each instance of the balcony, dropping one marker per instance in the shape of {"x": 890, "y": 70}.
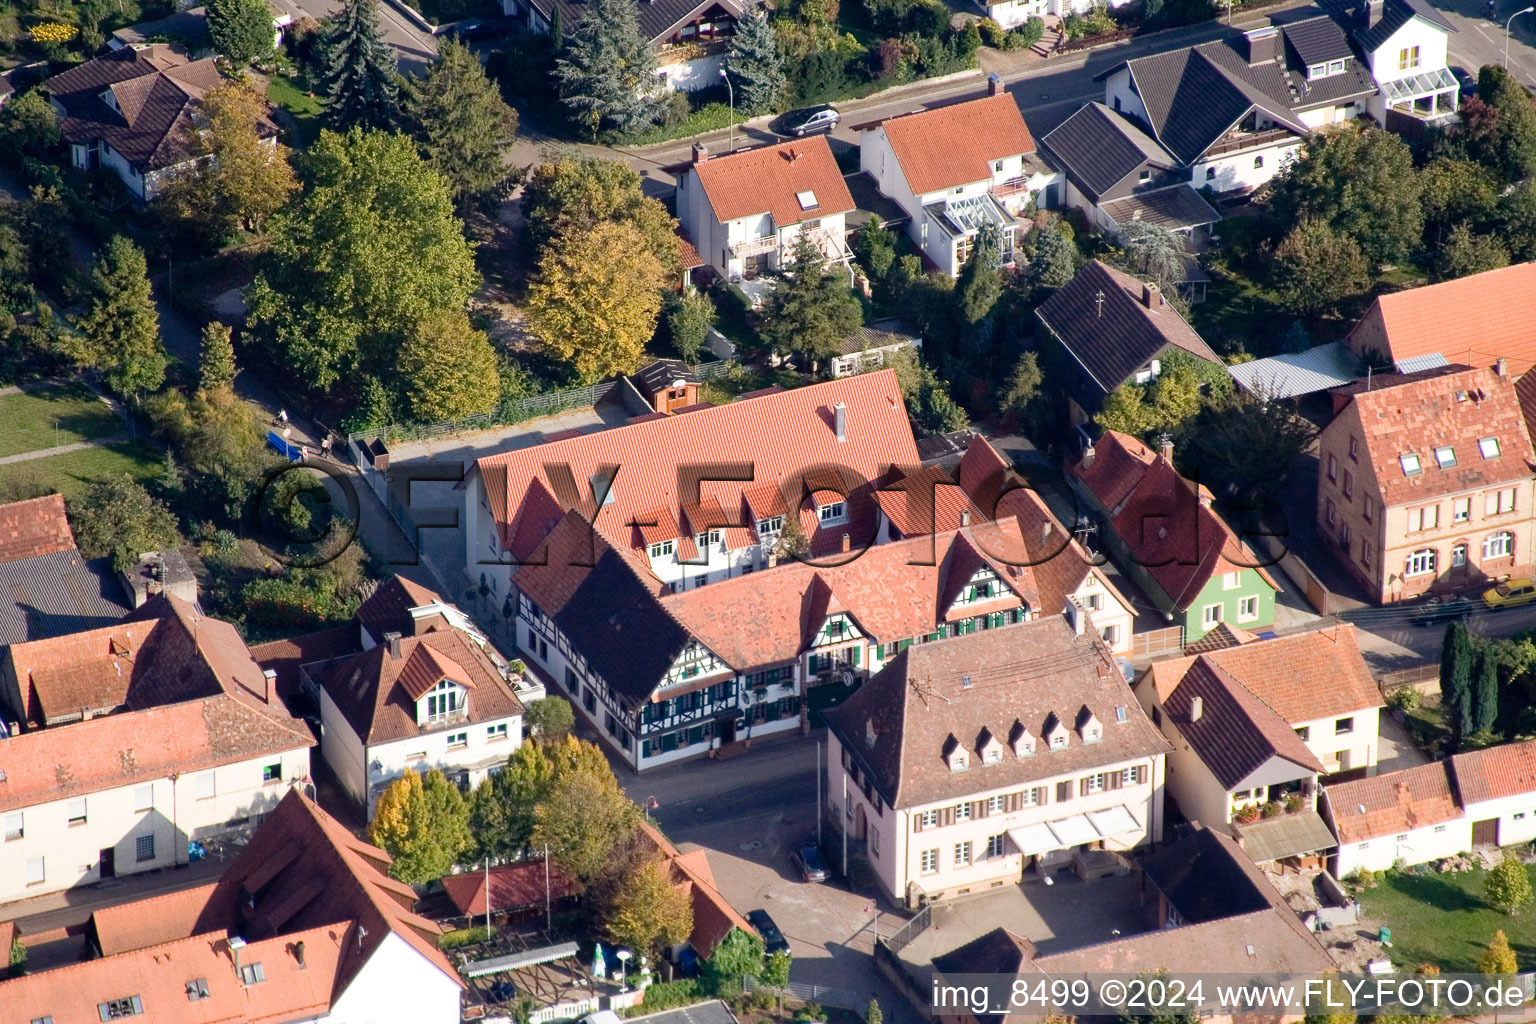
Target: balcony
{"x": 674, "y": 53}
{"x": 755, "y": 246}
{"x": 1009, "y": 189}
{"x": 1241, "y": 140}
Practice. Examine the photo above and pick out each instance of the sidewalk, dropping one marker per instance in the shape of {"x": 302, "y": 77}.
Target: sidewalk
{"x": 75, "y": 906}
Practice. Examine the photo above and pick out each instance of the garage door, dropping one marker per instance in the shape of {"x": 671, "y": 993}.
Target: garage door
{"x": 1485, "y": 833}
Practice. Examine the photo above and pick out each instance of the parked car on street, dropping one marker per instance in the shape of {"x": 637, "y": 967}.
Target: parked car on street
{"x": 812, "y": 867}
{"x": 809, "y": 121}
{"x": 1442, "y": 609}
{"x": 773, "y": 939}
{"x": 1510, "y": 594}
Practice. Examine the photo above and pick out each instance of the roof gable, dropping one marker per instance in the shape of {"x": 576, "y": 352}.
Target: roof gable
{"x": 1230, "y": 729}
{"x": 770, "y": 179}
{"x": 1468, "y": 319}
{"x": 957, "y": 144}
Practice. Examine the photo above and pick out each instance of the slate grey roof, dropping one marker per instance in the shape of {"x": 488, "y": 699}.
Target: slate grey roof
{"x": 657, "y": 18}
{"x": 1313, "y": 36}
{"x": 1395, "y": 14}
{"x": 712, "y": 1012}
{"x": 659, "y": 375}
{"x": 1299, "y": 373}
{"x": 880, "y": 334}
{"x": 190, "y": 26}
{"x": 1111, "y": 343}
{"x": 57, "y": 594}
{"x": 1173, "y": 208}
{"x": 1098, "y": 148}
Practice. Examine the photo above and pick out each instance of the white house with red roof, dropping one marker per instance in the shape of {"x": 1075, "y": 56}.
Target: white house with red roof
{"x": 955, "y": 168}
{"x": 305, "y": 924}
{"x": 134, "y": 739}
{"x": 745, "y": 211}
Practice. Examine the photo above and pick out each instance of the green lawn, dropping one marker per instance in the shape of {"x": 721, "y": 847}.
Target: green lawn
{"x": 1442, "y": 919}
{"x": 72, "y": 473}
{"x": 304, "y": 108}
{"x": 49, "y": 417}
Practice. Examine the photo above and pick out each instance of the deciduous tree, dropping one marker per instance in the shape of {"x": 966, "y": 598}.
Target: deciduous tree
{"x": 1361, "y": 183}
{"x": 573, "y": 195}
{"x": 650, "y": 913}
{"x": 584, "y": 814}
{"x": 242, "y": 30}
{"x": 755, "y": 66}
{"x": 447, "y": 368}
{"x": 930, "y": 406}
{"x": 1498, "y": 958}
{"x": 688, "y": 323}
{"x": 739, "y": 955}
{"x": 458, "y": 118}
{"x": 116, "y": 516}
{"x": 29, "y": 124}
{"x": 1509, "y": 146}
{"x": 1456, "y": 192}
{"x": 595, "y": 299}
{"x": 549, "y": 719}
{"x": 1315, "y": 267}
{"x": 1251, "y": 441}
{"x": 1517, "y": 220}
{"x": 423, "y": 824}
{"x": 371, "y": 248}
{"x": 1465, "y": 252}
{"x": 120, "y": 331}
{"x": 811, "y": 311}
{"x": 358, "y": 72}
{"x": 609, "y": 71}
{"x": 1508, "y": 885}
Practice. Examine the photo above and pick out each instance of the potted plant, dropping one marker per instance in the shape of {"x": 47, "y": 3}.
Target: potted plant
{"x": 1293, "y": 803}
{"x": 1271, "y": 809}
{"x": 1247, "y": 813}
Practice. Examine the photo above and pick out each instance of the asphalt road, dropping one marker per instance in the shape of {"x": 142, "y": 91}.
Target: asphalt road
{"x": 414, "y": 49}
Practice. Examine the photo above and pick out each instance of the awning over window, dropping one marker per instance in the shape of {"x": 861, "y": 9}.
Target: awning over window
{"x": 1116, "y": 821}
{"x": 1043, "y": 837}
{"x": 1033, "y": 839}
{"x": 1075, "y": 831}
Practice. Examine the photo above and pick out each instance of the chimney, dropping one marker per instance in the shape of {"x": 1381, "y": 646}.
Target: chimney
{"x": 270, "y": 675}
{"x": 393, "y": 640}
{"x": 1196, "y": 708}
{"x": 965, "y": 517}
{"x": 1151, "y": 295}
{"x": 1263, "y": 45}
{"x": 1088, "y": 454}
{"x": 1045, "y": 530}
{"x": 700, "y": 152}
{"x": 1501, "y": 367}
{"x": 1075, "y": 613}
{"x": 236, "y": 944}
{"x": 298, "y": 954}
{"x": 847, "y": 544}
{"x": 1167, "y": 449}
{"x": 994, "y": 84}
{"x": 1371, "y": 12}
{"x": 840, "y": 414}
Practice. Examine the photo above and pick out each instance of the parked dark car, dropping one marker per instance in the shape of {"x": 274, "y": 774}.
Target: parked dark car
{"x": 812, "y": 867}
{"x": 469, "y": 28}
{"x": 1466, "y": 80}
{"x": 809, "y": 121}
{"x": 773, "y": 939}
{"x": 1438, "y": 609}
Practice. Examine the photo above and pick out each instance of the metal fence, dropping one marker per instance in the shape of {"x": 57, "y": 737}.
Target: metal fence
{"x": 1157, "y": 641}
{"x": 912, "y": 929}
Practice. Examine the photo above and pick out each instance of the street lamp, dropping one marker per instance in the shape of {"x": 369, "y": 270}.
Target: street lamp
{"x": 1506, "y": 36}
{"x": 731, "y": 94}
{"x": 624, "y": 956}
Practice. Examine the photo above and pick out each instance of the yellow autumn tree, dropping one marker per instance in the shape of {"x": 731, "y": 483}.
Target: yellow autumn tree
{"x": 448, "y": 368}
{"x": 422, "y": 822}
{"x": 596, "y": 297}
{"x": 649, "y": 912}
{"x": 1498, "y": 958}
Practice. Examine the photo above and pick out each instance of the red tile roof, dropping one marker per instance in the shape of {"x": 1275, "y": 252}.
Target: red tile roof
{"x": 302, "y": 881}
{"x": 956, "y": 145}
{"x": 1168, "y": 527}
{"x": 926, "y": 501}
{"x": 780, "y": 435}
{"x": 388, "y": 608}
{"x": 768, "y": 180}
{"x": 513, "y": 887}
{"x": 1473, "y": 320}
{"x": 35, "y": 527}
{"x": 286, "y": 657}
{"x": 1396, "y": 802}
{"x": 1495, "y": 772}
{"x": 377, "y": 693}
{"x": 1420, "y": 412}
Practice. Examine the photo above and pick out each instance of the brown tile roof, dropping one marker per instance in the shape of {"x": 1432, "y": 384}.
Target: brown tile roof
{"x": 513, "y": 887}
{"x": 388, "y": 608}
{"x": 1236, "y": 733}
{"x": 1419, "y": 412}
{"x": 1395, "y": 802}
{"x": 893, "y": 592}
{"x": 1224, "y": 635}
{"x": 1021, "y": 677}
{"x": 926, "y": 500}
{"x": 768, "y": 180}
{"x": 780, "y": 435}
{"x": 1156, "y": 512}
{"x": 687, "y": 251}
{"x": 1507, "y": 770}
{"x": 1301, "y": 677}
{"x": 286, "y": 657}
{"x": 956, "y": 145}
{"x": 155, "y": 89}
{"x": 713, "y": 916}
{"x": 377, "y": 693}
{"x": 1469, "y": 320}
{"x": 35, "y": 527}
{"x": 1060, "y": 563}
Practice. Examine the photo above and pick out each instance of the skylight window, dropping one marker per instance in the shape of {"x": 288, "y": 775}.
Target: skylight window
{"x": 1445, "y": 456}
{"x": 1489, "y": 446}
{"x": 807, "y": 199}
{"x": 1410, "y": 464}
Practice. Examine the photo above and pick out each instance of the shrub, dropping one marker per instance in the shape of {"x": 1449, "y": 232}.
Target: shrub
{"x": 464, "y": 937}
{"x": 1272, "y": 809}
{"x": 1404, "y": 699}
{"x": 822, "y": 73}
{"x": 992, "y": 34}
{"x": 1030, "y": 32}
{"x": 928, "y": 18}
{"x": 53, "y": 32}
{"x": 668, "y": 995}
{"x": 1293, "y": 803}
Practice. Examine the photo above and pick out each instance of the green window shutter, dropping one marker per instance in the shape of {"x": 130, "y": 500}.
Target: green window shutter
{"x": 904, "y": 645}
{"x": 855, "y": 655}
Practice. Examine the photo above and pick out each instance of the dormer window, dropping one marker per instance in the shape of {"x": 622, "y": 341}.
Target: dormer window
{"x": 709, "y": 538}
{"x": 989, "y": 748}
{"x": 1090, "y": 729}
{"x": 1021, "y": 741}
{"x": 770, "y": 526}
{"x": 661, "y": 550}
{"x": 1057, "y": 734}
{"x": 959, "y": 761}
{"x": 832, "y": 512}
{"x": 444, "y": 699}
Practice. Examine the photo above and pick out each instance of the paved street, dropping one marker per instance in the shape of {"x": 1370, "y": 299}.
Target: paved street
{"x": 414, "y": 48}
